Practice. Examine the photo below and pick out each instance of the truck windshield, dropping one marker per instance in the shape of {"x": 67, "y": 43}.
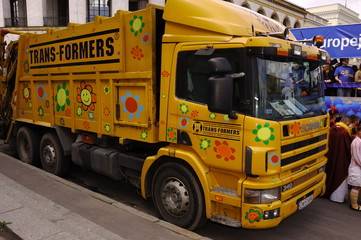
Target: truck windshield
{"x": 288, "y": 88}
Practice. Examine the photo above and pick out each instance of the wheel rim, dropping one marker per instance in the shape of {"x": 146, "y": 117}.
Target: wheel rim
{"x": 49, "y": 156}
{"x": 175, "y": 197}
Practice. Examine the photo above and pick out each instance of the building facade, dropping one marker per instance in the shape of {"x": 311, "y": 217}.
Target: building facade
{"x": 41, "y": 14}
{"x": 336, "y": 14}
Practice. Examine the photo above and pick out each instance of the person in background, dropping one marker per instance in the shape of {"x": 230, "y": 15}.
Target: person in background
{"x": 354, "y": 171}
{"x": 339, "y": 156}
{"x": 343, "y": 74}
{"x": 297, "y": 78}
{"x": 333, "y": 115}
{"x": 328, "y": 77}
{"x": 354, "y": 124}
{"x": 358, "y": 80}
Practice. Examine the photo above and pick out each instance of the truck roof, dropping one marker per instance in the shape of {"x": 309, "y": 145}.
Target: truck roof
{"x": 218, "y": 17}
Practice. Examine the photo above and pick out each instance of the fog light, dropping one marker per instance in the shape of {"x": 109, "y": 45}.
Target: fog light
{"x": 275, "y": 213}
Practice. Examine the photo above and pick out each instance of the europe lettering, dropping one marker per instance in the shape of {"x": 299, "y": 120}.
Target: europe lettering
{"x": 94, "y": 48}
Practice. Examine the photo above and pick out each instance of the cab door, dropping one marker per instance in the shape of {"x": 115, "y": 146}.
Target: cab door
{"x": 215, "y": 137}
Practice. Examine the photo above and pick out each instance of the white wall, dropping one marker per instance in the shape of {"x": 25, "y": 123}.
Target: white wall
{"x": 34, "y": 11}
{"x": 2, "y": 18}
{"x": 157, "y": 2}
{"x": 119, "y": 5}
{"x": 77, "y": 11}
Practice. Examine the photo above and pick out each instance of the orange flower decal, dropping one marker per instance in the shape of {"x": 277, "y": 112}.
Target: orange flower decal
{"x": 86, "y": 96}
{"x": 295, "y": 128}
{"x": 225, "y": 151}
{"x": 137, "y": 53}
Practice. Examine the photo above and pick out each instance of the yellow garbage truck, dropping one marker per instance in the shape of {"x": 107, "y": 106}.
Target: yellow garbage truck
{"x": 210, "y": 109}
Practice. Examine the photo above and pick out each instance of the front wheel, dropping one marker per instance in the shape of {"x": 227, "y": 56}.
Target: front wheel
{"x": 178, "y": 197}
{"x": 52, "y": 155}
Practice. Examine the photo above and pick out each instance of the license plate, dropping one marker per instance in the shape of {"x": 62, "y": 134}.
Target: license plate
{"x": 304, "y": 202}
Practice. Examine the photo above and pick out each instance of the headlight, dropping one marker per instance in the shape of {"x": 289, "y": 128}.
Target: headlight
{"x": 257, "y": 196}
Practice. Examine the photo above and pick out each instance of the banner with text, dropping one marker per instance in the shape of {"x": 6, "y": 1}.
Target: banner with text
{"x": 342, "y": 41}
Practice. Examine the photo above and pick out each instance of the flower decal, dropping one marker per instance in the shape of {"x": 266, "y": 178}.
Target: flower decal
{"x": 137, "y": 25}
{"x": 145, "y": 38}
{"x": 184, "y": 108}
{"x": 86, "y": 96}
{"x": 47, "y": 104}
{"x": 194, "y": 113}
{"x": 107, "y": 128}
{"x": 165, "y": 74}
{"x": 86, "y": 125}
{"x": 295, "y": 128}
{"x": 226, "y": 118}
{"x": 62, "y": 121}
{"x": 254, "y": 215}
{"x": 106, "y": 90}
{"x": 79, "y": 111}
{"x": 26, "y": 92}
{"x": 205, "y": 143}
{"x": 91, "y": 115}
{"x": 40, "y": 90}
{"x": 26, "y": 66}
{"x": 61, "y": 97}
{"x": 106, "y": 111}
{"x": 41, "y": 111}
{"x": 131, "y": 105}
{"x": 183, "y": 122}
{"x": 223, "y": 150}
{"x": 274, "y": 158}
{"x": 172, "y": 134}
{"x": 137, "y": 53}
{"x": 144, "y": 135}
{"x": 212, "y": 116}
{"x": 264, "y": 134}
{"x": 67, "y": 112}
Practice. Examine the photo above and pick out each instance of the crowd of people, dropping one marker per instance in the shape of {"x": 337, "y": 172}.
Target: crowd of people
{"x": 343, "y": 168}
{"x": 341, "y": 73}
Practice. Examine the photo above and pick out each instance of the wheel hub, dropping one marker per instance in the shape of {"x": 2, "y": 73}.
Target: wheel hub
{"x": 175, "y": 197}
{"x": 49, "y": 155}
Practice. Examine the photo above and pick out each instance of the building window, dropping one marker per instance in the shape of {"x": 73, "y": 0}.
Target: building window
{"x": 261, "y": 11}
{"x": 57, "y": 13}
{"x": 246, "y": 5}
{"x": 98, "y": 8}
{"x": 17, "y": 13}
{"x": 297, "y": 24}
{"x": 286, "y": 22}
{"x": 275, "y": 17}
{"x": 135, "y": 5}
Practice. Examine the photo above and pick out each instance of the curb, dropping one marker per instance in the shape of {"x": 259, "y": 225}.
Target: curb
{"x": 172, "y": 227}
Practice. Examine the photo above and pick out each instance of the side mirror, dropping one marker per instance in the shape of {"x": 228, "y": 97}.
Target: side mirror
{"x": 220, "y": 96}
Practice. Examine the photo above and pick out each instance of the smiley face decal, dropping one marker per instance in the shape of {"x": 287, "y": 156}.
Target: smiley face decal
{"x": 86, "y": 96}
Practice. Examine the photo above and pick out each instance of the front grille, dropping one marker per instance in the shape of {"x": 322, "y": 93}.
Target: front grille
{"x": 300, "y": 156}
{"x": 296, "y": 145}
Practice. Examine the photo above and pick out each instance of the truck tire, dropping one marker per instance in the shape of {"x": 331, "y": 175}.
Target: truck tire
{"x": 178, "y": 197}
{"x": 52, "y": 155}
{"x": 27, "y": 143}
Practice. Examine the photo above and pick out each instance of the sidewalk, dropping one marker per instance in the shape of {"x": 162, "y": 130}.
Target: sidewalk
{"x": 42, "y": 206}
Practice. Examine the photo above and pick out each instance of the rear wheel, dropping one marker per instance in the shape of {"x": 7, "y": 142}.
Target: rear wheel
{"x": 52, "y": 155}
{"x": 178, "y": 197}
{"x": 27, "y": 143}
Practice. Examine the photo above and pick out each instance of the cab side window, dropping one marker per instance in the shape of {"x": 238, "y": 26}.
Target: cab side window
{"x": 192, "y": 77}
{"x": 193, "y": 73}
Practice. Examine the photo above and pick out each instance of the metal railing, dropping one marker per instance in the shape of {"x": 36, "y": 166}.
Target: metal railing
{"x": 16, "y": 22}
{"x": 55, "y": 21}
